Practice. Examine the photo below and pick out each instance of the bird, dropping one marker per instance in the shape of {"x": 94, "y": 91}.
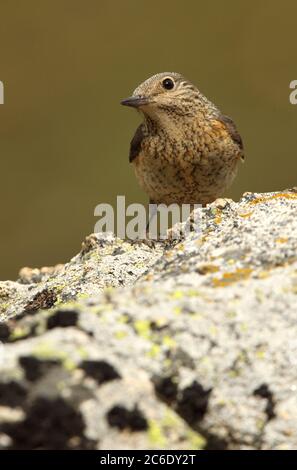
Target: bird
{"x": 186, "y": 151}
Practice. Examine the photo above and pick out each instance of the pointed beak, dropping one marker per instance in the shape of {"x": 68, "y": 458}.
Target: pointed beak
{"x": 135, "y": 101}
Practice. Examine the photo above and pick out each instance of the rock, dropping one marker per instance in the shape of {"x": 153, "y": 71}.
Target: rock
{"x": 104, "y": 261}
{"x": 185, "y": 345}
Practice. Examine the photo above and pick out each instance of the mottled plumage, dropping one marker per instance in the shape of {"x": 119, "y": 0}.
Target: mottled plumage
{"x": 185, "y": 151}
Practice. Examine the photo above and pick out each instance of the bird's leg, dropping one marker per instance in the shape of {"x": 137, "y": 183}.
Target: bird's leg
{"x": 152, "y": 211}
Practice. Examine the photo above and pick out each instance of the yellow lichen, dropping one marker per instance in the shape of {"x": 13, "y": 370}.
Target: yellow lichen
{"x": 196, "y": 441}
{"x": 19, "y": 332}
{"x": 233, "y": 373}
{"x": 171, "y": 423}
{"x": 121, "y": 334}
{"x": 260, "y": 354}
{"x": 161, "y": 322}
{"x": 169, "y": 342}
{"x": 123, "y": 319}
{"x": 193, "y": 293}
{"x": 246, "y": 215}
{"x": 177, "y": 310}
{"x": 263, "y": 274}
{"x": 231, "y": 314}
{"x": 82, "y": 352}
{"x": 154, "y": 351}
{"x": 213, "y": 330}
{"x": 177, "y": 295}
{"x": 217, "y": 213}
{"x": 143, "y": 328}
{"x": 156, "y": 434}
{"x": 69, "y": 364}
{"x": 46, "y": 350}
{"x": 243, "y": 327}
{"x": 167, "y": 363}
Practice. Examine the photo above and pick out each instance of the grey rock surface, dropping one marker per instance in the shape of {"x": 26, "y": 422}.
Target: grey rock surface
{"x": 185, "y": 345}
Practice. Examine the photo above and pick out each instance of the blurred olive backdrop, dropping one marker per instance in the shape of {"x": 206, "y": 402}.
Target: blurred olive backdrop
{"x": 64, "y": 138}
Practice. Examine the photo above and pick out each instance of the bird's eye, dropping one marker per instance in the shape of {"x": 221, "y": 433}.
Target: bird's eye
{"x": 168, "y": 83}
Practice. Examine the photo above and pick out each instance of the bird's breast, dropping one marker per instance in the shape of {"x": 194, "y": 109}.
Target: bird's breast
{"x": 185, "y": 170}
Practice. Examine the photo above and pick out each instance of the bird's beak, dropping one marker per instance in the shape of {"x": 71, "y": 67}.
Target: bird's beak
{"x": 135, "y": 101}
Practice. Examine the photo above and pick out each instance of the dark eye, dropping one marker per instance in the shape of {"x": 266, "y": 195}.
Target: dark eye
{"x": 168, "y": 83}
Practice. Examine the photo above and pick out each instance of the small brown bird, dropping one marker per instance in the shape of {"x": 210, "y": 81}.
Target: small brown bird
{"x": 186, "y": 151}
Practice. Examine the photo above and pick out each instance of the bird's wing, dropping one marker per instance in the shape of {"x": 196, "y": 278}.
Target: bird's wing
{"x": 135, "y": 144}
{"x": 232, "y": 130}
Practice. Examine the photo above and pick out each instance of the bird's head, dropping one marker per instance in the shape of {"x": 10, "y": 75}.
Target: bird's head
{"x": 166, "y": 94}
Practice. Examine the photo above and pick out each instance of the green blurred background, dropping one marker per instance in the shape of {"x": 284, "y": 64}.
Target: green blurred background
{"x": 64, "y": 138}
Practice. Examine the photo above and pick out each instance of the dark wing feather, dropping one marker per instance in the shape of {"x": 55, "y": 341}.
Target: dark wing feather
{"x": 230, "y": 126}
{"x": 135, "y": 145}
{"x": 232, "y": 130}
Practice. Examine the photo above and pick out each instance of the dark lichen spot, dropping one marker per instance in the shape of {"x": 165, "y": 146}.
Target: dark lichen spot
{"x": 193, "y": 402}
{"x": 35, "y": 368}
{"x": 4, "y": 332}
{"x": 63, "y": 319}
{"x": 166, "y": 388}
{"x": 215, "y": 442}
{"x": 12, "y": 394}
{"x": 118, "y": 251}
{"x": 50, "y": 424}
{"x": 263, "y": 391}
{"x": 101, "y": 371}
{"x": 122, "y": 418}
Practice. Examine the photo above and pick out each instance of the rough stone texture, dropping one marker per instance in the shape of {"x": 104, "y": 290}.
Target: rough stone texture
{"x": 197, "y": 350}
{"x": 104, "y": 261}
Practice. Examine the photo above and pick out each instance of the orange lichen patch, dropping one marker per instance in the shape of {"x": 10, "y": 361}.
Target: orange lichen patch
{"x": 281, "y": 240}
{"x": 201, "y": 240}
{"x": 207, "y": 268}
{"x": 274, "y": 196}
{"x": 229, "y": 278}
{"x": 218, "y": 215}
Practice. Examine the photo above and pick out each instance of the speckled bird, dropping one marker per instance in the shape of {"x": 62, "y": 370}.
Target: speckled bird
{"x": 185, "y": 151}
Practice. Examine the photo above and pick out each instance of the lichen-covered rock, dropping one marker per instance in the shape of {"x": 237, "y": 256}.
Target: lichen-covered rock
{"x": 104, "y": 261}
{"x": 198, "y": 349}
